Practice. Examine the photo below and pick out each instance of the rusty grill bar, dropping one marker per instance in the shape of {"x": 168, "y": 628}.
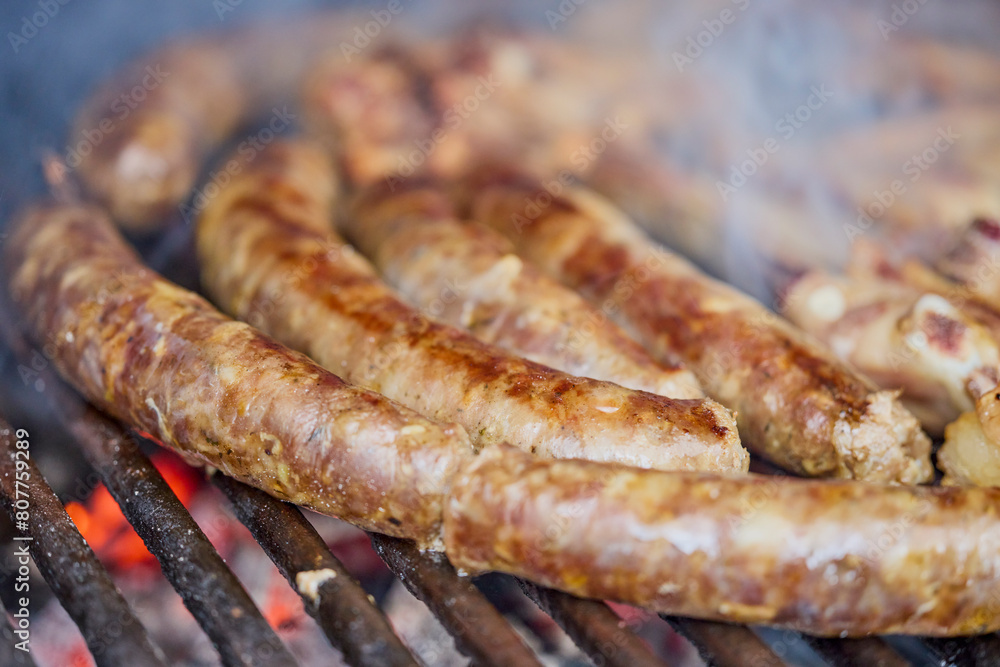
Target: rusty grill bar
{"x": 341, "y": 607}
{"x": 479, "y": 630}
{"x": 79, "y": 581}
{"x": 593, "y": 626}
{"x": 350, "y": 620}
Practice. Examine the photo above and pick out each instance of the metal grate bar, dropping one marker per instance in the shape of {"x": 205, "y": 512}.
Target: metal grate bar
{"x": 479, "y": 630}
{"x": 76, "y": 577}
{"x": 850, "y": 652}
{"x": 593, "y": 626}
{"x": 724, "y": 645}
{"x": 194, "y": 568}
{"x": 981, "y": 651}
{"x": 348, "y": 617}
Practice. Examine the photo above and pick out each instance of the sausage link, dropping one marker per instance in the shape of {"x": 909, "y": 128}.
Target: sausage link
{"x": 164, "y": 361}
{"x": 148, "y": 157}
{"x": 796, "y": 404}
{"x": 467, "y": 275}
{"x": 266, "y": 261}
{"x": 973, "y": 261}
{"x": 139, "y": 141}
{"x": 828, "y": 558}
{"x": 940, "y": 356}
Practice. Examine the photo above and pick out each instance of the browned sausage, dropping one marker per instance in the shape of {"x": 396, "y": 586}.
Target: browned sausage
{"x": 796, "y": 404}
{"x": 974, "y": 262}
{"x": 218, "y": 391}
{"x": 901, "y": 337}
{"x": 266, "y": 260}
{"x": 827, "y": 558}
{"x": 139, "y": 141}
{"x": 467, "y": 275}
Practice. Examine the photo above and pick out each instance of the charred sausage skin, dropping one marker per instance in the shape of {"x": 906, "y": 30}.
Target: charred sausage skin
{"x": 163, "y": 360}
{"x": 796, "y": 404}
{"x": 824, "y": 557}
{"x": 468, "y": 276}
{"x": 266, "y": 261}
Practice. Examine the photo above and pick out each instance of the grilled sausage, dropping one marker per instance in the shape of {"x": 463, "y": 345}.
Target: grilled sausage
{"x": 141, "y": 158}
{"x": 958, "y": 346}
{"x": 973, "y": 262}
{"x": 267, "y": 260}
{"x": 139, "y": 140}
{"x": 163, "y": 360}
{"x": 941, "y": 358}
{"x": 467, "y": 275}
{"x": 796, "y": 404}
{"x": 827, "y": 558}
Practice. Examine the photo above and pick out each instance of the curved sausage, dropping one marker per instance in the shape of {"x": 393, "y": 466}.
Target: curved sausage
{"x": 467, "y": 275}
{"x": 163, "y": 360}
{"x": 974, "y": 262}
{"x": 822, "y": 557}
{"x": 941, "y": 357}
{"x": 827, "y": 558}
{"x": 796, "y": 404}
{"x": 139, "y": 141}
{"x": 267, "y": 260}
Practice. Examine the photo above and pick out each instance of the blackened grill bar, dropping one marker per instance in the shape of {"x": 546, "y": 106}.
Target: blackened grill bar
{"x": 981, "y": 651}
{"x": 724, "y": 645}
{"x": 189, "y": 561}
{"x": 79, "y": 581}
{"x": 479, "y": 630}
{"x": 593, "y": 626}
{"x": 848, "y": 652}
{"x": 351, "y": 622}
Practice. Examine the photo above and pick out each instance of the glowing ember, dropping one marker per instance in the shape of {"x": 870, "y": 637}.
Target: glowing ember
{"x": 106, "y": 530}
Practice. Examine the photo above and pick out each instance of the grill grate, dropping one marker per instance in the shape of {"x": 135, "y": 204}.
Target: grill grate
{"x": 593, "y": 626}
{"x": 350, "y": 620}
{"x": 479, "y": 630}
{"x": 341, "y": 607}
{"x": 79, "y": 581}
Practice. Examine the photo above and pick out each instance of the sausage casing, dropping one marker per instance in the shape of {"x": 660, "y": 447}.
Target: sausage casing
{"x": 796, "y": 404}
{"x": 468, "y": 276}
{"x": 824, "y": 557}
{"x": 265, "y": 260}
{"x": 164, "y": 361}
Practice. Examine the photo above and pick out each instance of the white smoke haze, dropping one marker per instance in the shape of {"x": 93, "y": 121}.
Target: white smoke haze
{"x": 789, "y": 122}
